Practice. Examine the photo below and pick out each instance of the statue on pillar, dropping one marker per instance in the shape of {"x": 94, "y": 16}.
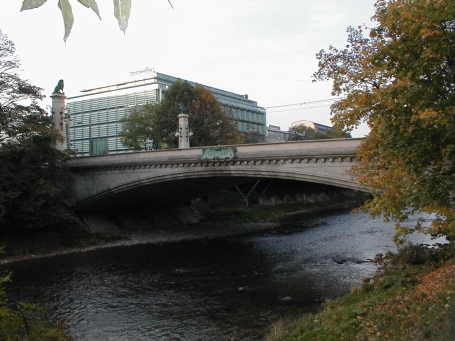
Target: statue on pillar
{"x": 59, "y": 88}
{"x": 58, "y": 115}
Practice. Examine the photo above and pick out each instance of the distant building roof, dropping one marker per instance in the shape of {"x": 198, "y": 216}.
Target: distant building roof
{"x": 275, "y": 134}
{"x": 311, "y": 124}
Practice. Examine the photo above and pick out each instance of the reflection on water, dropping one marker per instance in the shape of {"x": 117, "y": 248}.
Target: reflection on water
{"x": 203, "y": 290}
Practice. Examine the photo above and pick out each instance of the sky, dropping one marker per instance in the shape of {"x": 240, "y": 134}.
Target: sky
{"x": 263, "y": 48}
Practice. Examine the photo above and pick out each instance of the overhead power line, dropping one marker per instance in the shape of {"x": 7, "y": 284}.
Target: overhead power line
{"x": 304, "y": 103}
{"x": 295, "y": 109}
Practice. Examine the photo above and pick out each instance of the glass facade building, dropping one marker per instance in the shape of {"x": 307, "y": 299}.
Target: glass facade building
{"x": 95, "y": 114}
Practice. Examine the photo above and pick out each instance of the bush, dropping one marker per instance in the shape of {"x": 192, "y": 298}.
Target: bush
{"x": 420, "y": 254}
{"x": 24, "y": 321}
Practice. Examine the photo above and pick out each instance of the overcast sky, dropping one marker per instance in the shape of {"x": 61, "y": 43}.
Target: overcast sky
{"x": 263, "y": 48}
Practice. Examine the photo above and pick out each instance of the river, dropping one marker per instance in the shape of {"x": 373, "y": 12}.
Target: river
{"x": 219, "y": 289}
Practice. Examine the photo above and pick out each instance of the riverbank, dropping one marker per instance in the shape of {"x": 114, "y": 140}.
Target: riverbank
{"x": 92, "y": 241}
{"x": 340, "y": 323}
{"x": 411, "y": 299}
{"x": 214, "y": 221}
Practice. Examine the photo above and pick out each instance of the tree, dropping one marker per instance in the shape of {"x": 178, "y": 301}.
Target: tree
{"x": 178, "y": 97}
{"x": 210, "y": 123}
{"x": 35, "y": 184}
{"x": 13, "y": 91}
{"x": 251, "y": 136}
{"x": 138, "y": 127}
{"x": 302, "y": 132}
{"x": 122, "y": 10}
{"x": 401, "y": 81}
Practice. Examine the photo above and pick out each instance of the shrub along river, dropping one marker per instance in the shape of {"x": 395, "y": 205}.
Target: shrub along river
{"x": 219, "y": 289}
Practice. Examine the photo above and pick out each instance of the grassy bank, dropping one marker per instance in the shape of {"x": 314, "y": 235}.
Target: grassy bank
{"x": 411, "y": 299}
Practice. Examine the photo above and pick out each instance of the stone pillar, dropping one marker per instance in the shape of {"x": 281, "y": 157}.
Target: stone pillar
{"x": 58, "y": 118}
{"x": 183, "y": 132}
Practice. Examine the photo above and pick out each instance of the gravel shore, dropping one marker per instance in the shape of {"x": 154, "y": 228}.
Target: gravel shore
{"x": 169, "y": 235}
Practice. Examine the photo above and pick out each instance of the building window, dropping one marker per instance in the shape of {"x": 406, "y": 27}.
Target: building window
{"x": 98, "y": 146}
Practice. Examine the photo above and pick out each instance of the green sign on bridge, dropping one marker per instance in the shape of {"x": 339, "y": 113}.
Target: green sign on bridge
{"x": 218, "y": 153}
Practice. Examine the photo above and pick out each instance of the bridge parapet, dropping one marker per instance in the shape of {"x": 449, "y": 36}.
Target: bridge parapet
{"x": 330, "y": 150}
{"x": 209, "y": 163}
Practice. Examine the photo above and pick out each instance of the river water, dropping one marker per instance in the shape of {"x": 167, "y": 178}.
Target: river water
{"x": 220, "y": 289}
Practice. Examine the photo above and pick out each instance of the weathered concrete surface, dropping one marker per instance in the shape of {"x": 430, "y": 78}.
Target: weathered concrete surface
{"x": 120, "y": 221}
{"x": 179, "y": 175}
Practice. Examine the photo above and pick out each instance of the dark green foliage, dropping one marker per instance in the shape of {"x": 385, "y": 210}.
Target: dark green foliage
{"x": 34, "y": 184}
{"x": 301, "y": 132}
{"x": 138, "y": 127}
{"x": 179, "y": 97}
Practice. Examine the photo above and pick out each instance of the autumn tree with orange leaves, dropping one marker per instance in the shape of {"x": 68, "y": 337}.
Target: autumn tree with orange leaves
{"x": 399, "y": 78}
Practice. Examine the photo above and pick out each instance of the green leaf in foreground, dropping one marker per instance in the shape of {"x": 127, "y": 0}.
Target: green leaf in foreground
{"x": 68, "y": 18}
{"x": 122, "y": 10}
{"x": 91, "y": 4}
{"x": 31, "y": 4}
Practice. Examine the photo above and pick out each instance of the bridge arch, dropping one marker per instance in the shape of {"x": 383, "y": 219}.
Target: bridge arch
{"x": 181, "y": 174}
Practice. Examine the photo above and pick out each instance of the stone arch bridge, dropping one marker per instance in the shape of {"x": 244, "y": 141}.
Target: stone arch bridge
{"x": 179, "y": 175}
